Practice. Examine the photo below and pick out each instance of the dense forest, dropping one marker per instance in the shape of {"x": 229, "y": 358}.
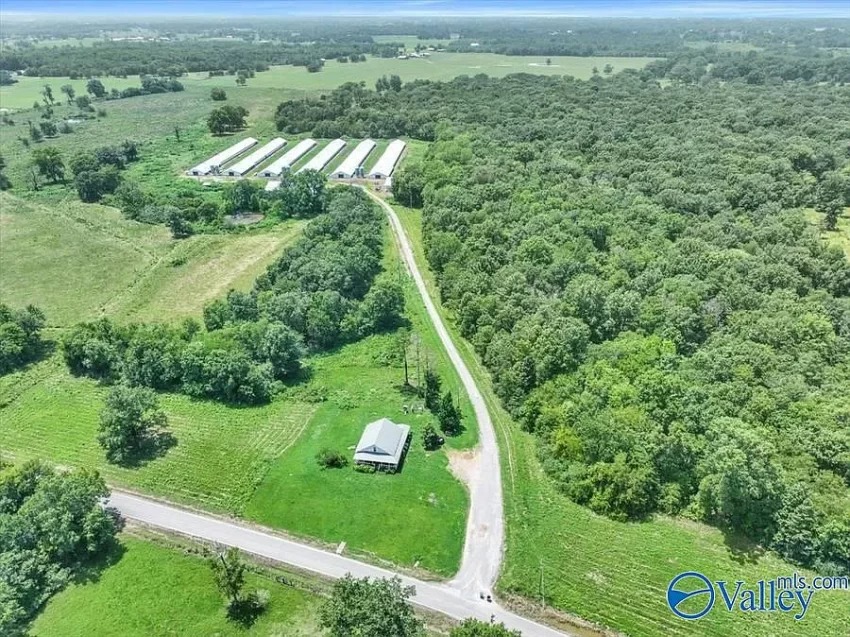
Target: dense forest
{"x": 322, "y": 292}
{"x": 633, "y": 265}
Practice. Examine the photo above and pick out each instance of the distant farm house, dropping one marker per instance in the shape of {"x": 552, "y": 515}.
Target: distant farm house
{"x": 383, "y": 445}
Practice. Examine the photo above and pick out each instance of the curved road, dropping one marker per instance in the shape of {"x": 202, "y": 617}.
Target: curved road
{"x": 485, "y": 530}
{"x": 482, "y": 551}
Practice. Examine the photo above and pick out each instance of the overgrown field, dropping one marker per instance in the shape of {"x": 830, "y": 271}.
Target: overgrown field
{"x": 611, "y": 572}
{"x": 159, "y": 590}
{"x": 77, "y": 261}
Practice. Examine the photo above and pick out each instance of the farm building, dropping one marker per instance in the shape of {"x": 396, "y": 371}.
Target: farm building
{"x": 259, "y": 155}
{"x": 383, "y": 445}
{"x": 214, "y": 163}
{"x": 350, "y": 165}
{"x": 387, "y": 163}
{"x": 274, "y": 184}
{"x": 285, "y": 162}
{"x": 324, "y": 156}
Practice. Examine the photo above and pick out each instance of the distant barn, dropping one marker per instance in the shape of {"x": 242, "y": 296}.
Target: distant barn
{"x": 324, "y": 156}
{"x": 388, "y": 161}
{"x": 278, "y": 167}
{"x": 260, "y": 155}
{"x": 351, "y": 164}
{"x": 214, "y": 163}
{"x": 383, "y": 445}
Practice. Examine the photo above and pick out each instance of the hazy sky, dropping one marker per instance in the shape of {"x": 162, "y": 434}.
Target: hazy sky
{"x": 390, "y": 8}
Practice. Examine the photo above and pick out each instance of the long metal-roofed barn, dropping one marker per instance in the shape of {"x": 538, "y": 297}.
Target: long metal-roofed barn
{"x": 382, "y": 445}
{"x": 324, "y": 156}
{"x": 355, "y": 159}
{"x": 214, "y": 163}
{"x": 261, "y": 154}
{"x": 385, "y": 166}
{"x": 285, "y": 162}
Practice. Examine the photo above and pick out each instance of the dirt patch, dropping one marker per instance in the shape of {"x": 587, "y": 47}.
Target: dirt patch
{"x": 243, "y": 220}
{"x": 464, "y": 465}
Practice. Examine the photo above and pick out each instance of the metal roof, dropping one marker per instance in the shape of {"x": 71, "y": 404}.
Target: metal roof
{"x": 382, "y": 441}
{"x": 261, "y": 154}
{"x": 355, "y": 158}
{"x": 293, "y": 155}
{"x": 324, "y": 156}
{"x": 386, "y": 164}
{"x": 224, "y": 156}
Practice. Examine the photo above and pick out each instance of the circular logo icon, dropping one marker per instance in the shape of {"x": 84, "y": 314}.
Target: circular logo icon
{"x": 687, "y": 586}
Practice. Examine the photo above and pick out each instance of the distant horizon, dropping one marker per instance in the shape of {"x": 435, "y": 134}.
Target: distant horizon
{"x": 388, "y": 9}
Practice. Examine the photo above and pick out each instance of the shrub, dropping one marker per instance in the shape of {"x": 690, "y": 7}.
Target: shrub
{"x": 331, "y": 459}
{"x": 364, "y": 468}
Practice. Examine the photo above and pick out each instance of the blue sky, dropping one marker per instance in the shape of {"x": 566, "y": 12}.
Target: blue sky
{"x": 399, "y": 8}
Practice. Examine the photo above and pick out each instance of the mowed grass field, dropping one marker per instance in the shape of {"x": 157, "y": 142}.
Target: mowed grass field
{"x": 613, "y": 573}
{"x": 159, "y": 590}
{"x": 438, "y": 66}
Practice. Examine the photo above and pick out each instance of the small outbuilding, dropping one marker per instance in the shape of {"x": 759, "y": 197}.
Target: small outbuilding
{"x": 383, "y": 445}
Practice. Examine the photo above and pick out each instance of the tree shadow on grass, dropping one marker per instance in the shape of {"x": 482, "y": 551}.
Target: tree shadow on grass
{"x": 740, "y": 548}
{"x": 152, "y": 447}
{"x": 245, "y": 612}
{"x": 90, "y": 571}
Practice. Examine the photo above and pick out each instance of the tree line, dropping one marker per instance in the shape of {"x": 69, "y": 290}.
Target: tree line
{"x": 176, "y": 58}
{"x": 323, "y": 291}
{"x": 634, "y": 266}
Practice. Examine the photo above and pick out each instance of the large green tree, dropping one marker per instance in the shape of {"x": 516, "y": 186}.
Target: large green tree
{"x": 130, "y": 423}
{"x": 368, "y": 608}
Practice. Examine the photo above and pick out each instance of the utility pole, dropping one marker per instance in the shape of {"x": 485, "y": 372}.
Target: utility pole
{"x": 542, "y": 591}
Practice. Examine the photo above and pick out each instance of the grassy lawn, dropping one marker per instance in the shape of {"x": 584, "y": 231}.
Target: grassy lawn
{"x": 615, "y": 573}
{"x": 158, "y": 590}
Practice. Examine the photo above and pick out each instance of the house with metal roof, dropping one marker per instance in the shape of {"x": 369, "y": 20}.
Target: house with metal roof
{"x": 383, "y": 445}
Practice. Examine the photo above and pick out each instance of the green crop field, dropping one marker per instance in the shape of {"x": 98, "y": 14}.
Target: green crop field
{"x": 158, "y": 590}
{"x": 616, "y": 573}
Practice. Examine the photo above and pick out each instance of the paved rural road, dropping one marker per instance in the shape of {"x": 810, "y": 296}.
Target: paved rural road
{"x": 442, "y": 598}
{"x": 485, "y": 529}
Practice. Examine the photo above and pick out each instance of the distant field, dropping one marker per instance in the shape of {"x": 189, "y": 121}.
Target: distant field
{"x": 732, "y": 47}
{"x": 610, "y": 572}
{"x": 158, "y": 590}
{"x": 409, "y": 41}
{"x": 78, "y": 261}
{"x": 439, "y": 66}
